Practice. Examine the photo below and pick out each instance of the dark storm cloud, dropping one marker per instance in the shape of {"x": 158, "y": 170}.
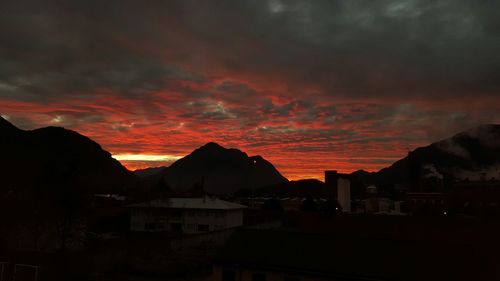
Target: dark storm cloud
{"x": 130, "y": 77}
{"x": 356, "y": 48}
{"x": 325, "y": 76}
{"x": 271, "y": 109}
{"x": 233, "y": 87}
{"x": 59, "y": 49}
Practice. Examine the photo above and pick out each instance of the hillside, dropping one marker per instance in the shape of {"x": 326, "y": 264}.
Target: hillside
{"x": 53, "y": 156}
{"x": 220, "y": 170}
{"x": 472, "y": 154}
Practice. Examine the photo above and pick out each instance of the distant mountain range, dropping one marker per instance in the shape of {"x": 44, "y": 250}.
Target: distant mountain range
{"x": 53, "y": 156}
{"x": 56, "y": 156}
{"x": 217, "y": 170}
{"x": 148, "y": 172}
{"x": 473, "y": 154}
{"x": 300, "y": 188}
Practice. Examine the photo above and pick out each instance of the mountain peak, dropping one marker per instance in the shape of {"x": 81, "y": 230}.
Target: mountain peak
{"x": 55, "y": 156}
{"x": 6, "y": 125}
{"x": 212, "y": 146}
{"x": 221, "y": 170}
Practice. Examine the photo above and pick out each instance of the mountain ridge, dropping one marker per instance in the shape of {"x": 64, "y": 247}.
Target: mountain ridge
{"x": 56, "y": 150}
{"x": 58, "y": 156}
{"x": 465, "y": 154}
{"x": 220, "y": 170}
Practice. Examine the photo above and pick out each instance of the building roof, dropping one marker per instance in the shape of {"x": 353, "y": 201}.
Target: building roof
{"x": 205, "y": 203}
{"x": 347, "y": 259}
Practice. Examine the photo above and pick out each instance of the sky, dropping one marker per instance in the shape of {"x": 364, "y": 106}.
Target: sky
{"x": 309, "y": 85}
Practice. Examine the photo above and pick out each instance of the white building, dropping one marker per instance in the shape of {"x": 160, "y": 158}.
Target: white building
{"x": 341, "y": 184}
{"x": 344, "y": 194}
{"x": 186, "y": 215}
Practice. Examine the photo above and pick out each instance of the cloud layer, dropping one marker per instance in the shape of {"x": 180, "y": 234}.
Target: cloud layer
{"x": 310, "y": 85}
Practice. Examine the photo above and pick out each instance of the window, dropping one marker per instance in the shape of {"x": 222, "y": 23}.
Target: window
{"x": 26, "y": 272}
{"x": 228, "y": 275}
{"x": 203, "y": 227}
{"x": 177, "y": 227}
{"x": 150, "y": 226}
{"x": 258, "y": 277}
{"x": 191, "y": 227}
{"x": 3, "y": 266}
{"x": 176, "y": 214}
{"x": 289, "y": 278}
{"x": 219, "y": 214}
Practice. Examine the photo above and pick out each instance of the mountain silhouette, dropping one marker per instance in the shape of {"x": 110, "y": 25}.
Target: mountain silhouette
{"x": 469, "y": 154}
{"x": 220, "y": 170}
{"x": 7, "y": 128}
{"x": 295, "y": 188}
{"x": 148, "y": 172}
{"x": 54, "y": 156}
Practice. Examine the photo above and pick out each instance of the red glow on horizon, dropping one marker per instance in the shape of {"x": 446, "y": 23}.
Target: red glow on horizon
{"x": 300, "y": 170}
{"x": 300, "y": 134}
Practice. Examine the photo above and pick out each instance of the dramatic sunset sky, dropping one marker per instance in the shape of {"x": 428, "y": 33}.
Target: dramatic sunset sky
{"x": 309, "y": 85}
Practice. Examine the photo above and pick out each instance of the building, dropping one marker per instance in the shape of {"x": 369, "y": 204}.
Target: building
{"x": 344, "y": 194}
{"x": 341, "y": 183}
{"x": 185, "y": 215}
{"x": 475, "y": 198}
{"x": 479, "y": 198}
{"x": 427, "y": 203}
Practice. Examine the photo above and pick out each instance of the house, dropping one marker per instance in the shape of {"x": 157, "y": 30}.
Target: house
{"x": 185, "y": 215}
{"x": 475, "y": 198}
{"x": 466, "y": 198}
{"x": 427, "y": 203}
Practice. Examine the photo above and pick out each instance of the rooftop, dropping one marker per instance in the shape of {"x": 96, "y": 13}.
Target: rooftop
{"x": 190, "y": 203}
